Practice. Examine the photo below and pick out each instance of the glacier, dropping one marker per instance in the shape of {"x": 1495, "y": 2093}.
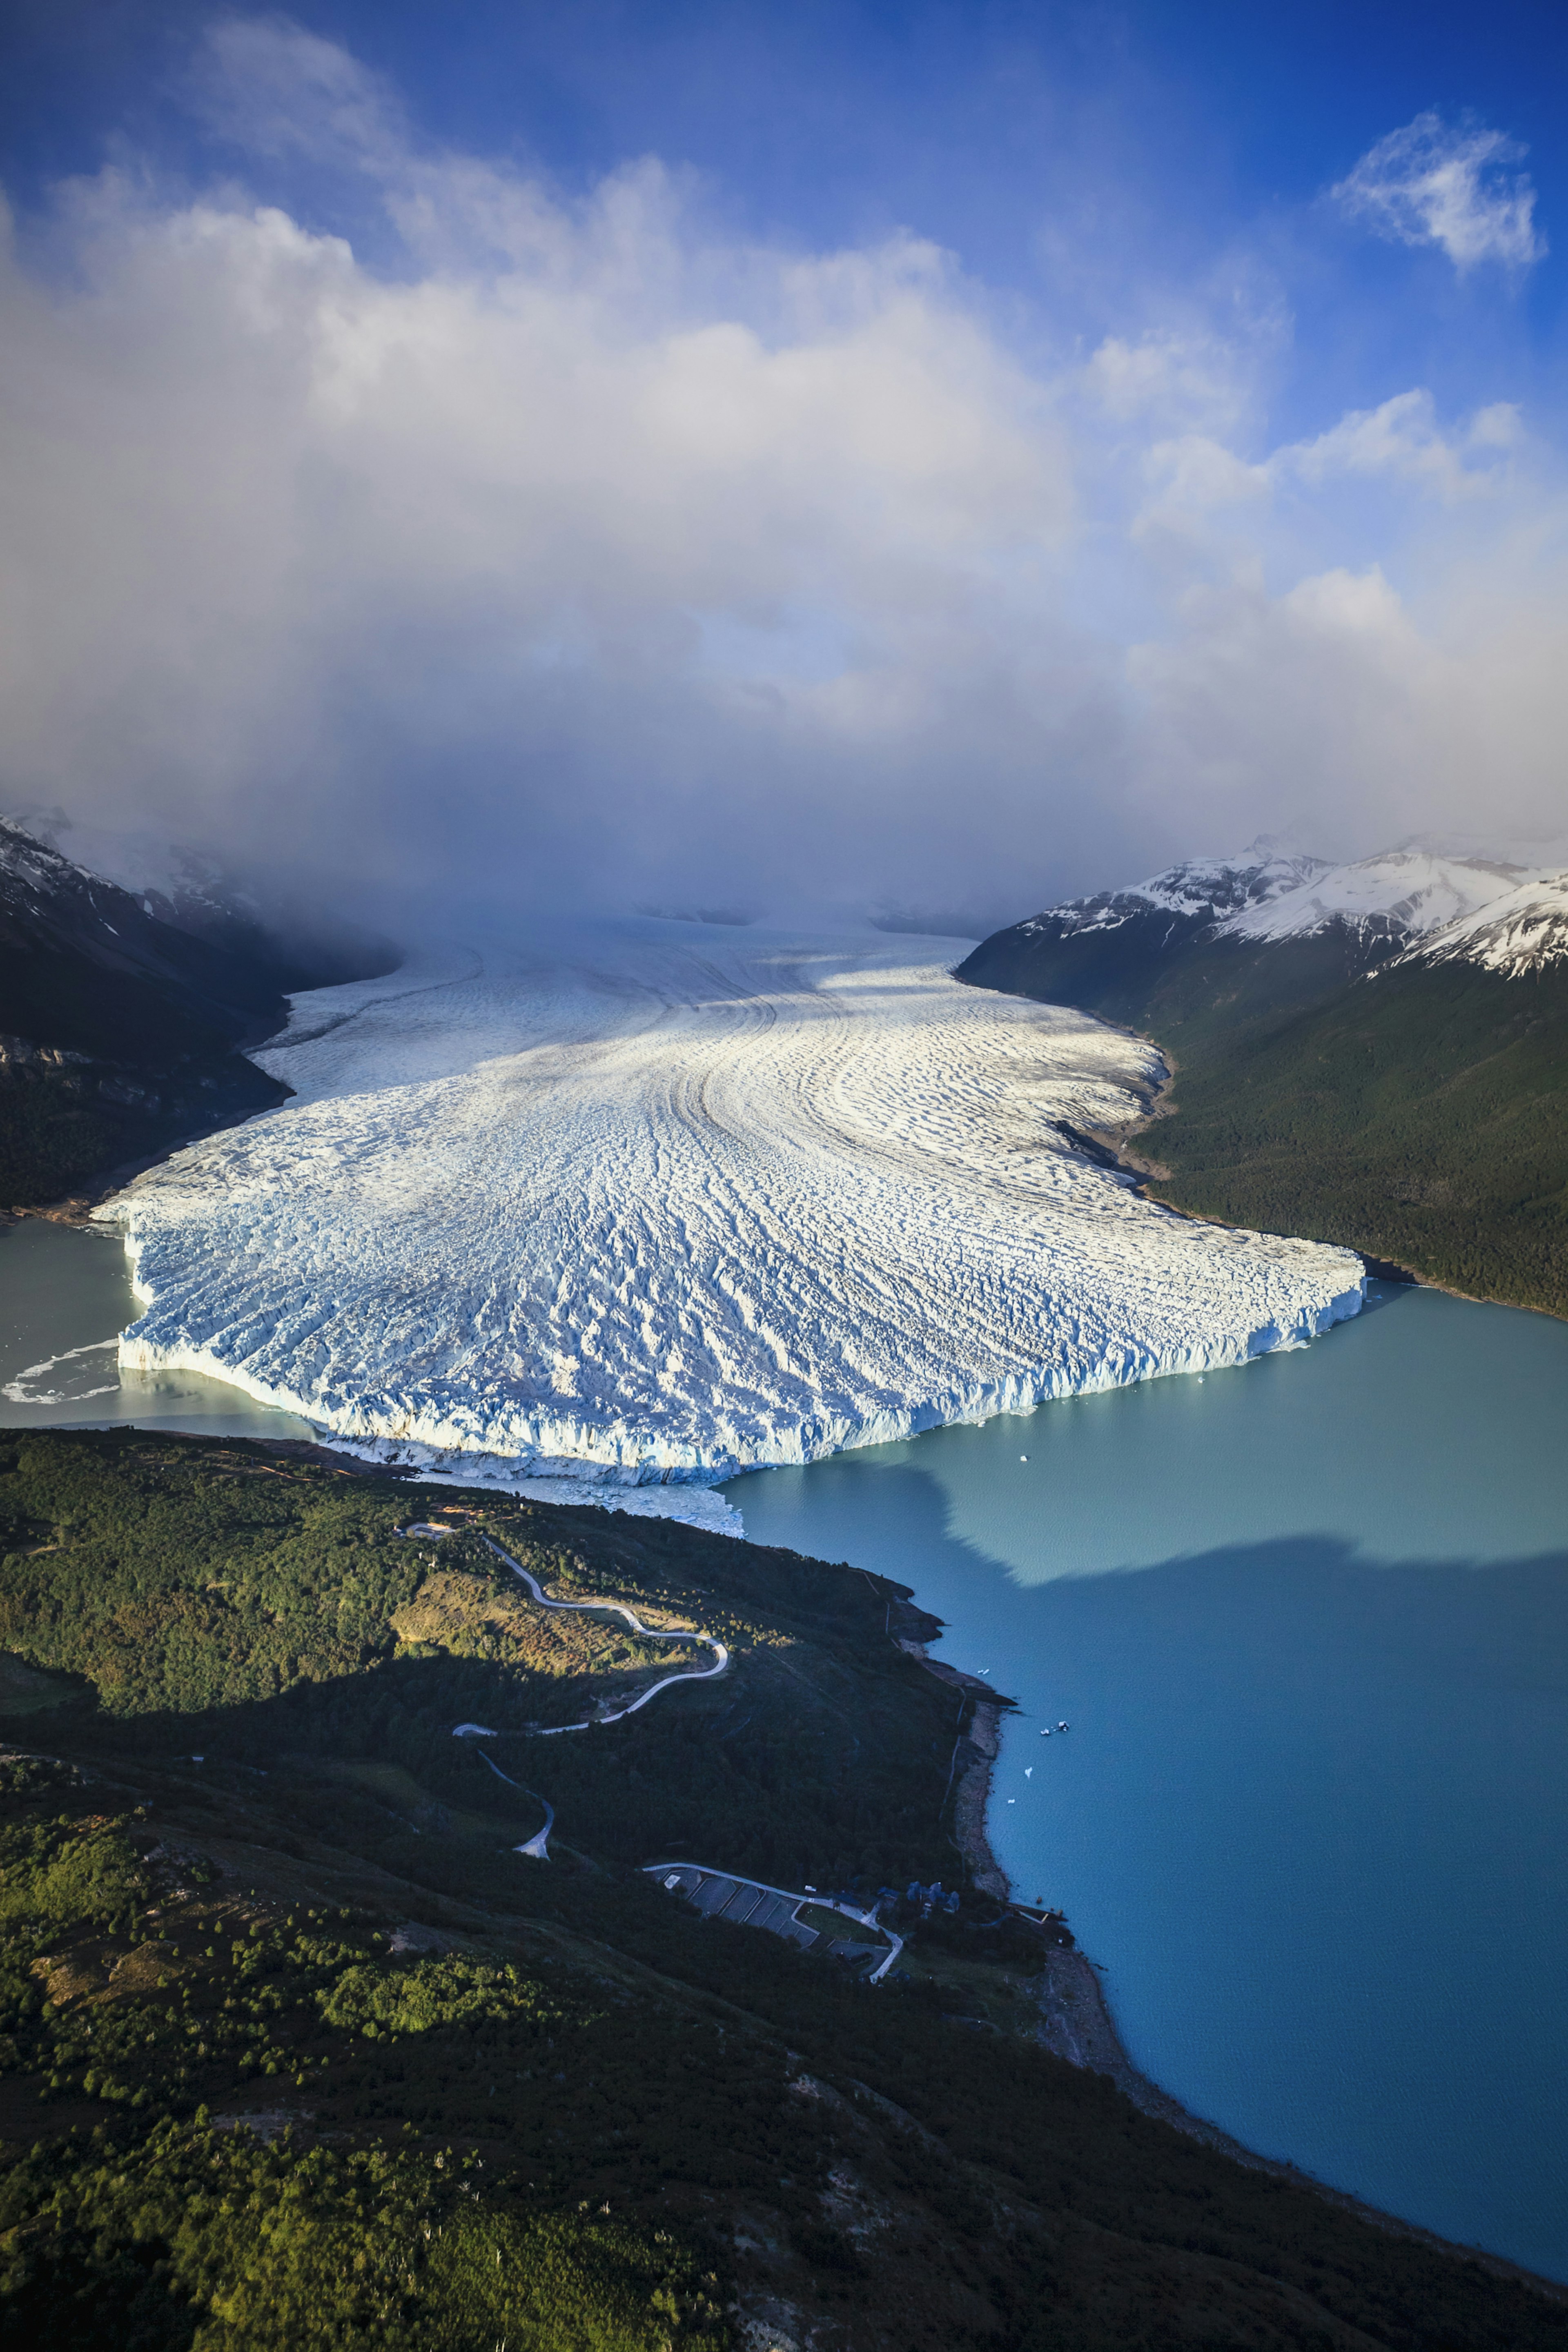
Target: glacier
{"x": 632, "y": 1205}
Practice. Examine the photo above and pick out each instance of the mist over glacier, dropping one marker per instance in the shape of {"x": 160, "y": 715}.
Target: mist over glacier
{"x": 399, "y": 518}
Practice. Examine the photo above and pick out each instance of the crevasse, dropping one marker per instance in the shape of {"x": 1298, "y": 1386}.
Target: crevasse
{"x": 643, "y": 1202}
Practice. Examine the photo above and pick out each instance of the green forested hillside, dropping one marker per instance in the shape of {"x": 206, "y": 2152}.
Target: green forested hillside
{"x": 296, "y": 2050}
{"x": 1418, "y": 1113}
{"x": 1421, "y": 1116}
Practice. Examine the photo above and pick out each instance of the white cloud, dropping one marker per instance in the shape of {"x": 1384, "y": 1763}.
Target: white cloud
{"x": 274, "y": 89}
{"x": 1432, "y": 183}
{"x": 1193, "y": 378}
{"x": 1339, "y": 698}
{"x": 1402, "y": 439}
{"x": 468, "y": 533}
{"x": 590, "y": 553}
{"x": 1308, "y": 693}
{"x": 1193, "y": 479}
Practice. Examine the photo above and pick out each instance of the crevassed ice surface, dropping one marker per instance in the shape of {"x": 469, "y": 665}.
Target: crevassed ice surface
{"x": 652, "y": 1199}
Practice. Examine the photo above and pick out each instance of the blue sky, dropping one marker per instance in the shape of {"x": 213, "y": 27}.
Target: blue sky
{"x": 1084, "y": 532}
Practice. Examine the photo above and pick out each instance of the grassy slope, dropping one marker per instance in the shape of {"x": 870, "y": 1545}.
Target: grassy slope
{"x": 565, "y": 2112}
{"x": 1421, "y": 1116}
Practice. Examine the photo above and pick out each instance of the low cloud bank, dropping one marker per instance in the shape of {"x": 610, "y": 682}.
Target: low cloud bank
{"x": 577, "y": 553}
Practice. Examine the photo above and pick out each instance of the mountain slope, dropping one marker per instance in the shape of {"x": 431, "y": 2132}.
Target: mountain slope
{"x": 1105, "y": 953}
{"x": 1377, "y": 1055}
{"x": 120, "y": 1030}
{"x": 1524, "y": 931}
{"x": 300, "y": 2052}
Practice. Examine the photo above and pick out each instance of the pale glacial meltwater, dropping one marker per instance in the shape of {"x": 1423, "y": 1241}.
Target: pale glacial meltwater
{"x": 65, "y": 1298}
{"x": 1308, "y": 1621}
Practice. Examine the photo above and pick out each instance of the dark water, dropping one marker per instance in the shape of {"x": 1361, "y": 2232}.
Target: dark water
{"x": 65, "y": 1296}
{"x": 1309, "y": 1624}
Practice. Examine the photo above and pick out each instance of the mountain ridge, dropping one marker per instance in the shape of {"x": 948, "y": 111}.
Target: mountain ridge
{"x": 1405, "y": 895}
{"x": 1375, "y": 1054}
{"x": 123, "y": 1028}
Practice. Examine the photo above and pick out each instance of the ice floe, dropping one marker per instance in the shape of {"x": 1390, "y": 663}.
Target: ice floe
{"x": 633, "y": 1206}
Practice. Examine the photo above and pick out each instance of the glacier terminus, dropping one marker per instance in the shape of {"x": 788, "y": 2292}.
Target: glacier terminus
{"x": 645, "y": 1202}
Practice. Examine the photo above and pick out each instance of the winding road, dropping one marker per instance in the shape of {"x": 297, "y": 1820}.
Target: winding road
{"x": 673, "y": 1874}
{"x": 647, "y": 1632}
{"x": 538, "y": 1845}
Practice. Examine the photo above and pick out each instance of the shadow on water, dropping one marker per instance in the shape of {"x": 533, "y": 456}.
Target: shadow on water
{"x": 1313, "y": 1808}
{"x": 1308, "y": 1624}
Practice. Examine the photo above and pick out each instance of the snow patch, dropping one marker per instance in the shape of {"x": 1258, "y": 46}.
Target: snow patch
{"x": 1215, "y": 886}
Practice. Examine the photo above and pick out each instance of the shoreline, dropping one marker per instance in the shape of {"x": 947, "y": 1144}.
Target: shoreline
{"x": 1075, "y": 2021}
{"x": 1119, "y": 1141}
{"x": 972, "y": 1803}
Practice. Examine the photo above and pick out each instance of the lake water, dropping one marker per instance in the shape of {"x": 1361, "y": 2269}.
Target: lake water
{"x": 65, "y": 1296}
{"x": 1309, "y": 1624}
{"x": 1308, "y": 1621}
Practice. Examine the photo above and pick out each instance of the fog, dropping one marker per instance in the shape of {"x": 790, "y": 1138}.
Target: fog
{"x": 550, "y": 550}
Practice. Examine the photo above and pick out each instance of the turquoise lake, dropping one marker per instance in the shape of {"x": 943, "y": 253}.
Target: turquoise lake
{"x": 1309, "y": 1624}
{"x": 1308, "y": 1621}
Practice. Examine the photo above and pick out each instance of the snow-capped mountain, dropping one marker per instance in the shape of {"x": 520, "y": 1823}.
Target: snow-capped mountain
{"x": 31, "y": 871}
{"x": 1404, "y": 902}
{"x": 177, "y": 883}
{"x": 173, "y": 881}
{"x": 118, "y": 1030}
{"x": 1374, "y": 1052}
{"x": 126, "y": 1004}
{"x": 1524, "y": 929}
{"x": 86, "y": 966}
{"x": 189, "y": 888}
{"x": 1203, "y": 890}
{"x": 1388, "y": 901}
